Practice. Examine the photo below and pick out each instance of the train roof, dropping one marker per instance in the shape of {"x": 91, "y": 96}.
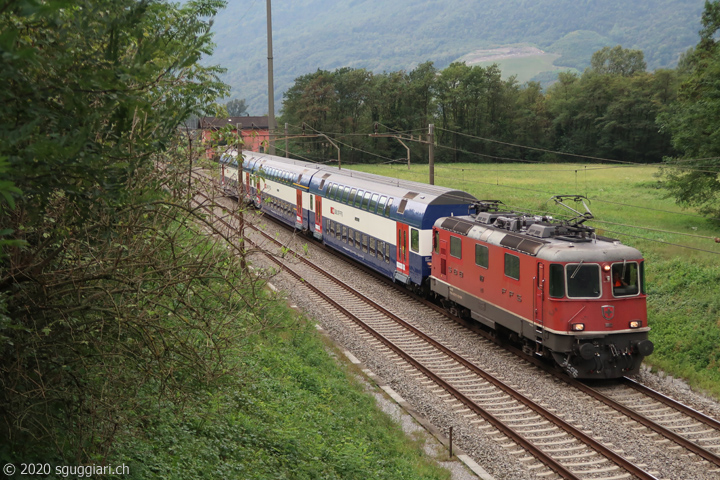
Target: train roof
{"x": 539, "y": 236}
{"x": 428, "y": 194}
{"x": 414, "y": 203}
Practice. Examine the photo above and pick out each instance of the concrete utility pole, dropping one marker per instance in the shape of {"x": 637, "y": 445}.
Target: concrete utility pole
{"x": 271, "y": 89}
{"x": 431, "y": 152}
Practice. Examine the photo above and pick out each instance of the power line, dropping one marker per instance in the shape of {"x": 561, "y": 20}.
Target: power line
{"x": 624, "y": 165}
{"x": 588, "y": 157}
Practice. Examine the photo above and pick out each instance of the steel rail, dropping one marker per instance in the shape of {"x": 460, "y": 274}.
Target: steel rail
{"x": 508, "y": 431}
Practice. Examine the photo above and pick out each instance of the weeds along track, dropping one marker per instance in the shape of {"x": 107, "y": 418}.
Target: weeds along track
{"x": 486, "y": 402}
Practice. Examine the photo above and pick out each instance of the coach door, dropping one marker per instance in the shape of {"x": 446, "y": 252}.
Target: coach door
{"x": 318, "y": 216}
{"x": 298, "y": 210}
{"x": 402, "y": 249}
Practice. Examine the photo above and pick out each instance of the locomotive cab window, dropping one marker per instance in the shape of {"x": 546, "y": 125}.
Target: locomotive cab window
{"x": 557, "y": 281}
{"x": 436, "y": 241}
{"x": 455, "y": 247}
{"x": 512, "y": 266}
{"x": 583, "y": 281}
{"x": 625, "y": 279}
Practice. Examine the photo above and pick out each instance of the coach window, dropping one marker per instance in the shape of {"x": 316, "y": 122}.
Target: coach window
{"x": 381, "y": 205}
{"x": 345, "y": 195}
{"x": 512, "y": 266}
{"x": 358, "y": 240}
{"x": 351, "y": 236}
{"x": 387, "y": 207}
{"x": 455, "y": 247}
{"x": 625, "y": 279}
{"x": 373, "y": 202}
{"x": 351, "y": 197}
{"x": 366, "y": 200}
{"x": 344, "y": 234}
{"x": 372, "y": 246}
{"x": 481, "y": 255}
{"x": 387, "y": 253}
{"x": 557, "y": 281}
{"x": 359, "y": 197}
{"x": 583, "y": 281}
{"x": 414, "y": 240}
{"x": 365, "y": 242}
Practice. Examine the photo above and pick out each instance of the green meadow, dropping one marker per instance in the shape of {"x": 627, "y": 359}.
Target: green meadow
{"x": 525, "y": 68}
{"x": 628, "y": 203}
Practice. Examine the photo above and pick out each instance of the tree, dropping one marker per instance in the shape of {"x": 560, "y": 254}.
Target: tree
{"x": 618, "y": 61}
{"x": 236, "y": 107}
{"x": 110, "y": 296}
{"x": 692, "y": 178}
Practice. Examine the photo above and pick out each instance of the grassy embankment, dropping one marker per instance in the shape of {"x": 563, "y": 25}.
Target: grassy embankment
{"x": 683, "y": 283}
{"x": 293, "y": 413}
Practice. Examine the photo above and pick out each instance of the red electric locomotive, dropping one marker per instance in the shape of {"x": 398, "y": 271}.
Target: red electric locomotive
{"x": 562, "y": 290}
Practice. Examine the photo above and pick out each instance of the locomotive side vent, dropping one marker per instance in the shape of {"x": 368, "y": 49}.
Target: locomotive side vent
{"x": 458, "y": 226}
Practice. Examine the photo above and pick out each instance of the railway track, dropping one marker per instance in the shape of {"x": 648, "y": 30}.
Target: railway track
{"x": 481, "y": 398}
{"x": 489, "y": 404}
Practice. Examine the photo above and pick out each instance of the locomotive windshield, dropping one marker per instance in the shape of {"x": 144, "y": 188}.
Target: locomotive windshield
{"x": 583, "y": 280}
{"x": 625, "y": 279}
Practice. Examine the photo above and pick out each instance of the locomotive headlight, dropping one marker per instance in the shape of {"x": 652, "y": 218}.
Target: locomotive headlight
{"x": 636, "y": 324}
{"x": 577, "y": 327}
{"x": 606, "y": 268}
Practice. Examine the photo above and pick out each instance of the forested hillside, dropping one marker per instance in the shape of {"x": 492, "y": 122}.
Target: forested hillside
{"x": 399, "y": 35}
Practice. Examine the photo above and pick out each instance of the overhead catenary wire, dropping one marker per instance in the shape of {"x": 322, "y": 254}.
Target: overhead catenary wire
{"x": 621, "y": 165}
{"x": 587, "y": 157}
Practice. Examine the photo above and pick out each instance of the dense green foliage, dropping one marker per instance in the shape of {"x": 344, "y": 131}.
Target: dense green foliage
{"x": 608, "y": 112}
{"x": 102, "y": 285}
{"x": 399, "y": 35}
{"x": 694, "y": 121}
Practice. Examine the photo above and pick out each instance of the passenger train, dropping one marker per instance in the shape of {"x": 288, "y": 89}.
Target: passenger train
{"x": 557, "y": 287}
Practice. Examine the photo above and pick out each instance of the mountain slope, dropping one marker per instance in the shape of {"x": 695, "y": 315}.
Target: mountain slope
{"x": 388, "y": 36}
